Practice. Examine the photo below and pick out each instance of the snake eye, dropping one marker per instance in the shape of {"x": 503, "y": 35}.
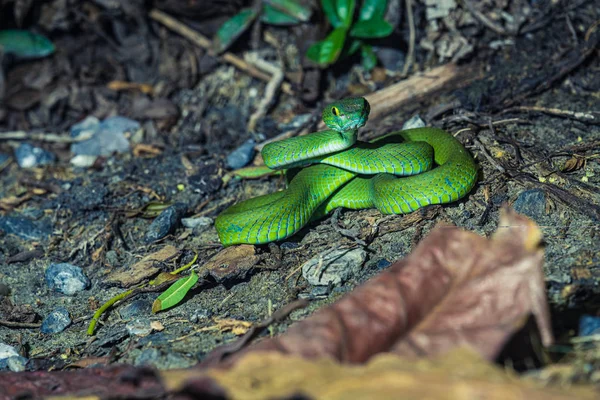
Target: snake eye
{"x": 335, "y": 111}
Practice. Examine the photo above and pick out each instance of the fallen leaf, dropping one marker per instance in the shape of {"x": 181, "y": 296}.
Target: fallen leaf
{"x": 455, "y": 289}
{"x": 461, "y": 374}
{"x": 175, "y": 293}
{"x": 157, "y": 326}
{"x": 231, "y": 263}
{"x": 118, "y": 86}
{"x": 143, "y": 269}
{"x": 573, "y": 164}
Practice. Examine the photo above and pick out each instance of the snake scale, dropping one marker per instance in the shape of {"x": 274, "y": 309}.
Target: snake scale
{"x": 397, "y": 174}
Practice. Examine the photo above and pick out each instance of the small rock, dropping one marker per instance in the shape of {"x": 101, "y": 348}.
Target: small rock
{"x": 383, "y": 264}
{"x": 197, "y": 223}
{"x": 136, "y": 308}
{"x": 28, "y": 156}
{"x": 139, "y": 327}
{"x": 66, "y": 278}
{"x": 531, "y": 203}
{"x": 83, "y": 160}
{"x": 335, "y": 266}
{"x": 199, "y": 315}
{"x": 7, "y": 351}
{"x": 414, "y": 122}
{"x": 589, "y": 325}
{"x": 107, "y": 137}
{"x": 165, "y": 223}
{"x": 298, "y": 121}
{"x": 17, "y": 364}
{"x": 57, "y": 321}
{"x": 241, "y": 156}
{"x": 25, "y": 228}
{"x": 289, "y": 245}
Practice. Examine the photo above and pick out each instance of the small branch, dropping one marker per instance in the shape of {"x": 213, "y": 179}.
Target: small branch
{"x": 43, "y": 137}
{"x": 591, "y": 117}
{"x": 23, "y": 325}
{"x": 479, "y": 16}
{"x": 201, "y": 41}
{"x": 270, "y": 91}
{"x": 412, "y": 38}
{"x": 488, "y": 157}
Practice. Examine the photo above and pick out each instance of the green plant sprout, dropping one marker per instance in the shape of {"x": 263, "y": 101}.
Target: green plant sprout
{"x": 273, "y": 12}
{"x": 169, "y": 298}
{"x": 349, "y": 35}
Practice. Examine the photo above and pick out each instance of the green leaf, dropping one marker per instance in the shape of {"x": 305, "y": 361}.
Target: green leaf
{"x": 291, "y": 8}
{"x": 330, "y": 11}
{"x": 273, "y": 16}
{"x": 25, "y": 44}
{"x": 232, "y": 29}
{"x": 353, "y": 47}
{"x": 369, "y": 59}
{"x": 374, "y": 28}
{"x": 372, "y": 9}
{"x": 345, "y": 10}
{"x": 175, "y": 293}
{"x": 327, "y": 51}
{"x": 339, "y": 12}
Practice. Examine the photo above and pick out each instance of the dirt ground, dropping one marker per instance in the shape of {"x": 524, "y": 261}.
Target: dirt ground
{"x": 517, "y": 114}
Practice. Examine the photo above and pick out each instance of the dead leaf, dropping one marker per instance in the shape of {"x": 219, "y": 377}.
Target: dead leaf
{"x": 146, "y": 150}
{"x": 231, "y": 263}
{"x": 157, "y": 326}
{"x": 573, "y": 164}
{"x": 143, "y": 269}
{"x": 461, "y": 374}
{"x": 234, "y": 326}
{"x": 455, "y": 289}
{"x": 118, "y": 86}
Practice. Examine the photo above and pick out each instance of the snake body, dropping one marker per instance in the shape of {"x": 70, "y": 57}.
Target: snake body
{"x": 344, "y": 172}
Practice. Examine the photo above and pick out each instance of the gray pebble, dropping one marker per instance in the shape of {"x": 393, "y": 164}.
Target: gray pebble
{"x": 7, "y": 351}
{"x": 28, "y": 156}
{"x": 414, "y": 122}
{"x": 241, "y": 156}
{"x": 57, "y": 321}
{"x": 17, "y": 364}
{"x": 66, "y": 278}
{"x": 108, "y": 136}
{"x": 139, "y": 327}
{"x": 135, "y": 308}
{"x": 531, "y": 203}
{"x": 200, "y": 315}
{"x": 25, "y": 228}
{"x": 335, "y": 266}
{"x": 197, "y": 223}
{"x": 165, "y": 223}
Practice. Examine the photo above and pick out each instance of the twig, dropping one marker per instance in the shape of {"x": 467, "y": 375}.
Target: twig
{"x": 24, "y": 325}
{"x": 200, "y": 40}
{"x": 592, "y": 117}
{"x": 488, "y": 157}
{"x": 44, "y": 137}
{"x": 485, "y": 20}
{"x": 270, "y": 91}
{"x": 412, "y": 38}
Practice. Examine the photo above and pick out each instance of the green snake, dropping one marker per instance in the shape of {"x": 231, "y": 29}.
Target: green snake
{"x": 340, "y": 171}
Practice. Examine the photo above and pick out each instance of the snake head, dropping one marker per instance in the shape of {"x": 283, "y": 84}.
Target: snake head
{"x": 347, "y": 114}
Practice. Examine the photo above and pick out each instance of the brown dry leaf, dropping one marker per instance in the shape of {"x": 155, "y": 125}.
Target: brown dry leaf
{"x": 157, "y": 326}
{"x": 460, "y": 374}
{"x": 122, "y": 85}
{"x": 234, "y": 326}
{"x": 86, "y": 362}
{"x": 455, "y": 289}
{"x": 231, "y": 263}
{"x": 146, "y": 150}
{"x": 143, "y": 269}
{"x": 573, "y": 164}
{"x": 10, "y": 202}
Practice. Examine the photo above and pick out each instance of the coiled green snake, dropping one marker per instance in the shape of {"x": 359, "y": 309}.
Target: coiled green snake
{"x": 344, "y": 172}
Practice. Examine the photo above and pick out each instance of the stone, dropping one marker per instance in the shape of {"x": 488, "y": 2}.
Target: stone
{"x": 531, "y": 203}
{"x": 57, "y": 321}
{"x": 166, "y": 222}
{"x": 25, "y": 228}
{"x": 29, "y": 156}
{"x": 108, "y": 136}
{"x": 333, "y": 266}
{"x": 66, "y": 278}
{"x": 241, "y": 156}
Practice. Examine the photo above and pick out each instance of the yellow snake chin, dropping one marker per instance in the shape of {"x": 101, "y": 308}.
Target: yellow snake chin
{"x": 397, "y": 174}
